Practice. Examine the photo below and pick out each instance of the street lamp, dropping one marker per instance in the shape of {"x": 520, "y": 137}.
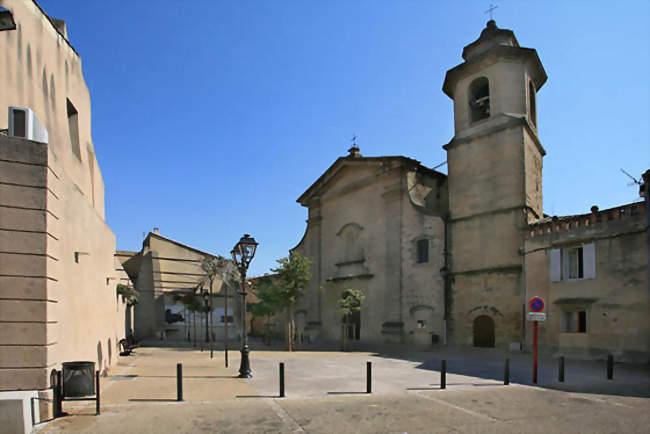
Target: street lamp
{"x": 242, "y": 255}
{"x": 206, "y": 301}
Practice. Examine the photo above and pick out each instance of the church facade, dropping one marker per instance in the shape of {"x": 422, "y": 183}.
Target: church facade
{"x": 453, "y": 259}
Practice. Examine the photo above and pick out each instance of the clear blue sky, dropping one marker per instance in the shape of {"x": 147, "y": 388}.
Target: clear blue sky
{"x": 210, "y": 118}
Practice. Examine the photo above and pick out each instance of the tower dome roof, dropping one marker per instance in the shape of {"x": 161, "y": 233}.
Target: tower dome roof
{"x": 491, "y": 36}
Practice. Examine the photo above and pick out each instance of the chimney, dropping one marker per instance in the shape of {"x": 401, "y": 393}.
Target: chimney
{"x": 60, "y": 27}
{"x": 156, "y": 231}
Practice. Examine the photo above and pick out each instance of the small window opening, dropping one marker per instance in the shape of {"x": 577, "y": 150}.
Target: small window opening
{"x": 575, "y": 263}
{"x": 479, "y": 99}
{"x": 531, "y": 100}
{"x": 423, "y": 251}
{"x": 422, "y": 324}
{"x": 73, "y": 125}
{"x": 574, "y": 322}
{"x": 582, "y": 322}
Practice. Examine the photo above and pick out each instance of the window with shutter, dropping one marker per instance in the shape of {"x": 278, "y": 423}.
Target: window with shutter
{"x": 573, "y": 263}
{"x": 574, "y": 321}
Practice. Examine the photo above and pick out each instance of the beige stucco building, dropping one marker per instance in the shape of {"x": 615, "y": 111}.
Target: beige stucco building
{"x": 165, "y": 271}
{"x": 458, "y": 256}
{"x": 58, "y": 273}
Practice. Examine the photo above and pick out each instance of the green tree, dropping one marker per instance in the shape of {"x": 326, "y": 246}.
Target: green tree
{"x": 349, "y": 303}
{"x": 214, "y": 266}
{"x": 193, "y": 305}
{"x": 293, "y": 275}
{"x": 129, "y": 293}
{"x": 268, "y": 304}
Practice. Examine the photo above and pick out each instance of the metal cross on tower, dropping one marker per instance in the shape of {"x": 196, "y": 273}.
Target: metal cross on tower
{"x": 490, "y": 9}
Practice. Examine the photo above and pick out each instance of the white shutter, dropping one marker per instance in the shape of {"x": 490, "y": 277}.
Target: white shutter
{"x": 589, "y": 261}
{"x": 565, "y": 259}
{"x": 556, "y": 266}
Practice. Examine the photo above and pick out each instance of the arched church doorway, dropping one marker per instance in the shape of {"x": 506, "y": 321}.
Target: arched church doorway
{"x": 483, "y": 331}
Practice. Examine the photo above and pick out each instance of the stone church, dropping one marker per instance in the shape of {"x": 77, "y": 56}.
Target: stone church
{"x": 443, "y": 259}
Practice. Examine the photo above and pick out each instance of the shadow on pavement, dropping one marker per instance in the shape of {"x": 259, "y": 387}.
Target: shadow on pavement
{"x": 347, "y": 393}
{"x": 185, "y": 376}
{"x": 583, "y": 376}
{"x": 152, "y": 400}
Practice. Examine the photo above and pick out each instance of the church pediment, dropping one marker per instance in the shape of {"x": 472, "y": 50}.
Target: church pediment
{"x": 350, "y": 173}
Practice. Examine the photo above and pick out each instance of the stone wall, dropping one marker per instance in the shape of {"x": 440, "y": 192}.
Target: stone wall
{"x": 58, "y": 277}
{"x": 365, "y": 219}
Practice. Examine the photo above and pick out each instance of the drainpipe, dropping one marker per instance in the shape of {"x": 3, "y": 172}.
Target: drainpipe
{"x": 522, "y": 251}
{"x": 646, "y": 195}
{"x": 447, "y": 277}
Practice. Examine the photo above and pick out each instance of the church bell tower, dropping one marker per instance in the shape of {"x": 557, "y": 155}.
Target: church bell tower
{"x": 495, "y": 185}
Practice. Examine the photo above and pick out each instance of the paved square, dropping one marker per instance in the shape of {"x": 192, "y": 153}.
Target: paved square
{"x": 325, "y": 393}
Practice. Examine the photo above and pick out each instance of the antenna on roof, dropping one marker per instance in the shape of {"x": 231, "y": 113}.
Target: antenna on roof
{"x": 440, "y": 165}
{"x": 634, "y": 180}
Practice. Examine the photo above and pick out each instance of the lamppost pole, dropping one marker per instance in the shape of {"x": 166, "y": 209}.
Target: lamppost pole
{"x": 206, "y": 303}
{"x": 242, "y": 255}
{"x": 245, "y": 366}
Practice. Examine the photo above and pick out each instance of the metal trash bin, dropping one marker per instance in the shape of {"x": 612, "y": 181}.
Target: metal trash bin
{"x": 78, "y": 379}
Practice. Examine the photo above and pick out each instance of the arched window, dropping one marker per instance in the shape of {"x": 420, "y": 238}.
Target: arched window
{"x": 352, "y": 248}
{"x": 479, "y": 99}
{"x": 531, "y": 103}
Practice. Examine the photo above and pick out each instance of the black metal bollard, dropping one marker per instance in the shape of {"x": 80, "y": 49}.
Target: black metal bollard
{"x": 179, "y": 382}
{"x": 506, "y": 372}
{"x": 97, "y": 392}
{"x": 443, "y": 374}
{"x": 281, "y": 380}
{"x": 368, "y": 377}
{"x": 560, "y": 373}
{"x": 610, "y": 367}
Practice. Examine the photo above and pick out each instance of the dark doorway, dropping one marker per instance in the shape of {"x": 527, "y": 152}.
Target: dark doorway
{"x": 355, "y": 325}
{"x": 354, "y": 322}
{"x": 483, "y": 331}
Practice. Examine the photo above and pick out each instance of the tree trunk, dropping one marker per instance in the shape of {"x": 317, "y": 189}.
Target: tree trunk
{"x": 292, "y": 329}
{"x": 210, "y": 323}
{"x": 267, "y": 333}
{"x": 287, "y": 332}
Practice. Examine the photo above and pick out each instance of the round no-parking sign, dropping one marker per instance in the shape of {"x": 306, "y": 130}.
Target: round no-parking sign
{"x": 536, "y": 304}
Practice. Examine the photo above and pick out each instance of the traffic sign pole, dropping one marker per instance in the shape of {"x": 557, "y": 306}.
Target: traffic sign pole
{"x": 536, "y": 305}
{"x": 535, "y": 352}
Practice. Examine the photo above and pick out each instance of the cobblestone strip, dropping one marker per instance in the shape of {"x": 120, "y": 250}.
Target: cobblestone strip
{"x": 282, "y": 414}
{"x": 448, "y": 404}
